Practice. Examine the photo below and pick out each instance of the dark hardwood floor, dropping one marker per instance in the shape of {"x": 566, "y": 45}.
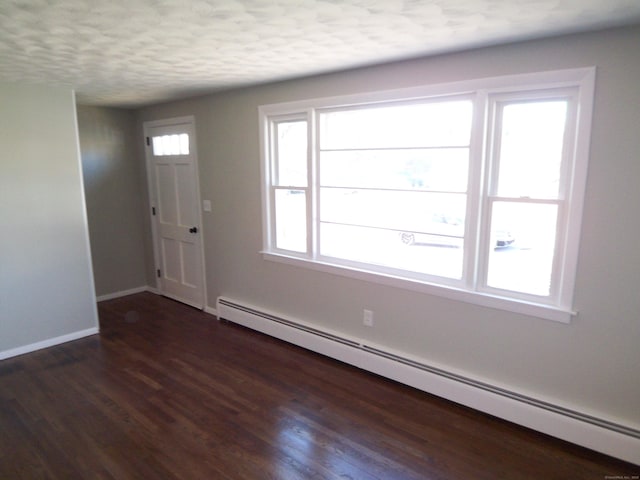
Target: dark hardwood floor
{"x": 168, "y": 392}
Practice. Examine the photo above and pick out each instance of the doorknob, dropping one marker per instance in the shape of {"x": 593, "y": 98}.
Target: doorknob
{"x": 193, "y": 230}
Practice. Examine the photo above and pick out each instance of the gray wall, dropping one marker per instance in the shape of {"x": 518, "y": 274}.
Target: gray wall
{"x": 46, "y": 283}
{"x": 591, "y": 364}
{"x": 112, "y": 180}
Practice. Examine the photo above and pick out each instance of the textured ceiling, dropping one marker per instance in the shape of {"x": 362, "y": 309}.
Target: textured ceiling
{"x": 137, "y": 52}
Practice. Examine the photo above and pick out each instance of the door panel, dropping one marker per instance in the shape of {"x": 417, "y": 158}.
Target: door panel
{"x": 177, "y": 228}
{"x": 170, "y": 259}
{"x": 166, "y": 194}
{"x": 184, "y": 182}
{"x": 189, "y": 257}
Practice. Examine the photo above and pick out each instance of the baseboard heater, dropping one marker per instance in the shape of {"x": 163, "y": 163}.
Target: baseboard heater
{"x": 572, "y": 425}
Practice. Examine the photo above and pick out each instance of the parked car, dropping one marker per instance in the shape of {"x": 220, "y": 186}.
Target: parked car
{"x": 447, "y": 231}
{"x": 501, "y": 238}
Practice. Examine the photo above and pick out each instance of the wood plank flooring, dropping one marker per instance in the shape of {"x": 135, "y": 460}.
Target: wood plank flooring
{"x": 168, "y": 392}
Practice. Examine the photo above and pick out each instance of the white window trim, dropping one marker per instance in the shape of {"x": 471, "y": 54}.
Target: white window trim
{"x": 583, "y": 78}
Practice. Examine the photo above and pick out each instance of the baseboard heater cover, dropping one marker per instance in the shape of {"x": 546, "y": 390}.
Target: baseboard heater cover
{"x": 574, "y": 426}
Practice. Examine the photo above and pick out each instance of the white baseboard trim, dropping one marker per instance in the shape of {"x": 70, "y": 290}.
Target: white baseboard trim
{"x": 124, "y": 293}
{"x": 14, "y": 352}
{"x": 596, "y": 433}
{"x": 146, "y": 288}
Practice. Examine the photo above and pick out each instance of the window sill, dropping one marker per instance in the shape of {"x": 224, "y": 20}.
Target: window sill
{"x": 542, "y": 311}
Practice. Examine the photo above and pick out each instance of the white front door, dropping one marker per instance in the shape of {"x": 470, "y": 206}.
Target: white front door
{"x": 175, "y": 204}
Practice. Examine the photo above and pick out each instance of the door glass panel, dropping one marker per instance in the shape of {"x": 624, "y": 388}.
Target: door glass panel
{"x": 177, "y": 144}
{"x": 183, "y": 139}
{"x": 158, "y": 146}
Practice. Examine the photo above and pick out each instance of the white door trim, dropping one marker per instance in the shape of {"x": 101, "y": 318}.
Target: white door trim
{"x": 147, "y": 126}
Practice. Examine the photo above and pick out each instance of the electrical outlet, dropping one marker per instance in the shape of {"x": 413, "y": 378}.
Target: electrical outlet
{"x": 367, "y": 318}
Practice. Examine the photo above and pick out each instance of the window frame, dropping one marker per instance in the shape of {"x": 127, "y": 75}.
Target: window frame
{"x": 274, "y": 184}
{"x": 563, "y": 199}
{"x": 472, "y": 288}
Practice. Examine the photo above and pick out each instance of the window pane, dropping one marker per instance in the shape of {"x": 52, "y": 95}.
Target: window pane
{"x": 422, "y": 212}
{"x": 171, "y": 144}
{"x": 414, "y": 231}
{"x": 291, "y": 220}
{"x": 158, "y": 146}
{"x": 428, "y": 169}
{"x": 531, "y": 149}
{"x": 433, "y": 124}
{"x": 523, "y": 240}
{"x": 291, "y": 143}
{"x": 385, "y": 248}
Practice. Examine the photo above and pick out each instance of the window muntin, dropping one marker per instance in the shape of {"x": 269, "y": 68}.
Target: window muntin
{"x": 442, "y": 205}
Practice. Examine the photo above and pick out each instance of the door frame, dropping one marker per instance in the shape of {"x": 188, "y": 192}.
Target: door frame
{"x": 148, "y": 148}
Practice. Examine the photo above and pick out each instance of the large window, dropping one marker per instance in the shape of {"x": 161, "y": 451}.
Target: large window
{"x": 474, "y": 195}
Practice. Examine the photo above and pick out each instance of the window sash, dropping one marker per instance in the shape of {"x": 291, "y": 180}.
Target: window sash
{"x": 495, "y": 107}
{"x": 319, "y": 151}
{"x": 484, "y": 259}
